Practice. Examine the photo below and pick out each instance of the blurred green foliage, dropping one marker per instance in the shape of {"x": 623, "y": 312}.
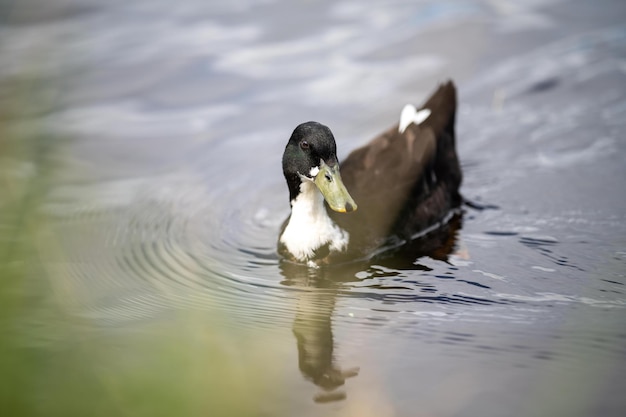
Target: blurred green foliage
{"x": 55, "y": 361}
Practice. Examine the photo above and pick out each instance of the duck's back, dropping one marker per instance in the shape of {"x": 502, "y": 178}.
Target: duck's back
{"x": 403, "y": 182}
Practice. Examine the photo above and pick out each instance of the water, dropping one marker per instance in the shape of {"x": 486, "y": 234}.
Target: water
{"x": 171, "y": 193}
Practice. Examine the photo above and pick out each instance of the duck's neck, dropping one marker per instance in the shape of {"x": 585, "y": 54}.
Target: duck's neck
{"x": 309, "y": 227}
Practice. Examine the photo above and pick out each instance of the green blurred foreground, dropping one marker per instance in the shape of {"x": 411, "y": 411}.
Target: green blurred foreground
{"x": 53, "y": 362}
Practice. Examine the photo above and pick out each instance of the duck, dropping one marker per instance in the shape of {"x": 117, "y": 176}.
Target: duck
{"x": 403, "y": 182}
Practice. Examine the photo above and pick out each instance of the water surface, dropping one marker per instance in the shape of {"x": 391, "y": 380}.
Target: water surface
{"x": 171, "y": 196}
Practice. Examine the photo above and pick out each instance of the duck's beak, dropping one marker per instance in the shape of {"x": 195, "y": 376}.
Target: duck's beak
{"x": 328, "y": 180}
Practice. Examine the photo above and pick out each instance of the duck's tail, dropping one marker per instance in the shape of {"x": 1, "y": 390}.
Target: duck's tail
{"x": 436, "y": 193}
{"x": 442, "y": 105}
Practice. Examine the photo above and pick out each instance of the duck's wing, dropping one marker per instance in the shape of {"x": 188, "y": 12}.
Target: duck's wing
{"x": 398, "y": 171}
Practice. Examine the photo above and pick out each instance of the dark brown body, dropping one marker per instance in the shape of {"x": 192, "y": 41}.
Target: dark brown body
{"x": 403, "y": 183}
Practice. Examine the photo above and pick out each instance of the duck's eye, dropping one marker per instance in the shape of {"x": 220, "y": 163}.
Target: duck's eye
{"x": 304, "y": 144}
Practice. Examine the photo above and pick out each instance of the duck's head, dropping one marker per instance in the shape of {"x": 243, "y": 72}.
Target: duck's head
{"x": 311, "y": 156}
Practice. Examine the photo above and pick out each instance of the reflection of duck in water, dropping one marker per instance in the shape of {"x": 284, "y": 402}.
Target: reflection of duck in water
{"x": 312, "y": 328}
{"x": 404, "y": 181}
{"x": 312, "y": 325}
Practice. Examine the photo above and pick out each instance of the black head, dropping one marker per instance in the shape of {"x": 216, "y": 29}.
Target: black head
{"x": 310, "y": 143}
{"x": 311, "y": 154}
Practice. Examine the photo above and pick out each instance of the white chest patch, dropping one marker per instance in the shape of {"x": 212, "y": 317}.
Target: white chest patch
{"x": 309, "y": 226}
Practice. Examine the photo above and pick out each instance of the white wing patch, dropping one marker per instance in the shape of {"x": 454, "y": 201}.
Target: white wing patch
{"x": 410, "y": 115}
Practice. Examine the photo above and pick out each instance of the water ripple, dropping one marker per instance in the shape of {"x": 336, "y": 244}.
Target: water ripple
{"x": 176, "y": 242}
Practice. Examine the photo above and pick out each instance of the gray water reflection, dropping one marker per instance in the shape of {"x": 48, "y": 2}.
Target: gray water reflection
{"x": 312, "y": 328}
{"x": 171, "y": 195}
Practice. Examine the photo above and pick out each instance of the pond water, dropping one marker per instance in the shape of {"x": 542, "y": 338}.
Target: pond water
{"x": 170, "y": 194}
